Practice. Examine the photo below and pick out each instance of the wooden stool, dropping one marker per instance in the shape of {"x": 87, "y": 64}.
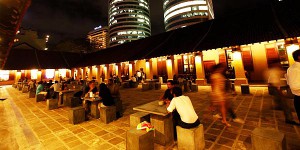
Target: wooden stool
{"x": 138, "y": 117}
{"x": 135, "y": 84}
{"x": 194, "y": 88}
{"x": 119, "y": 106}
{"x": 267, "y": 138}
{"x": 245, "y": 89}
{"x": 20, "y": 87}
{"x": 139, "y": 140}
{"x": 145, "y": 86}
{"x": 77, "y": 115}
{"x": 108, "y": 114}
{"x": 40, "y": 97}
{"x": 157, "y": 86}
{"x": 163, "y": 129}
{"x": 75, "y": 102}
{"x": 190, "y": 139}
{"x": 52, "y": 104}
{"x": 25, "y": 89}
{"x": 32, "y": 93}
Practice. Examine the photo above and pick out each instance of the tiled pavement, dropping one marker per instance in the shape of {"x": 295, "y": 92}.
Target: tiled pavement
{"x": 26, "y": 124}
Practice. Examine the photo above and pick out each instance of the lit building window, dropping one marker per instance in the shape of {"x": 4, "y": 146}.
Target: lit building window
{"x": 34, "y": 74}
{"x": 4, "y": 75}
{"x": 50, "y": 73}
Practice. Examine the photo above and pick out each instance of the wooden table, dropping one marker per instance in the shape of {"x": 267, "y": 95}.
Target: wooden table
{"x": 65, "y": 97}
{"x": 161, "y": 120}
{"x": 95, "y": 113}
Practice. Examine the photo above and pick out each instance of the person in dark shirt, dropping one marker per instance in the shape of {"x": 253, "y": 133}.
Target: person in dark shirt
{"x": 105, "y": 95}
{"x": 168, "y": 95}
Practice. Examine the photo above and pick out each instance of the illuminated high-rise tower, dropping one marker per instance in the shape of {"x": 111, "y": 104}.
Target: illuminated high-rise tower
{"x": 128, "y": 20}
{"x": 182, "y": 13}
{"x": 98, "y": 38}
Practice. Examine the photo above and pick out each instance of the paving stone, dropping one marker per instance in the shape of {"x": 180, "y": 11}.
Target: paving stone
{"x": 45, "y": 123}
{"x": 224, "y": 141}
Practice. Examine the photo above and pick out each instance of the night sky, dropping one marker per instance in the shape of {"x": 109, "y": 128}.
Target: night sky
{"x": 64, "y": 19}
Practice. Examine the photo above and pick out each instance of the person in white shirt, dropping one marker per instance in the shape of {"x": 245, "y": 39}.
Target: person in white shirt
{"x": 188, "y": 117}
{"x": 55, "y": 86}
{"x": 293, "y": 80}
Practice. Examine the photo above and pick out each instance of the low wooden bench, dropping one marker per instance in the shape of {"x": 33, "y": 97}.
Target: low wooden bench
{"x": 76, "y": 115}
{"x": 108, "y": 114}
{"x": 190, "y": 139}
{"x": 245, "y": 89}
{"x": 138, "y": 117}
{"x": 134, "y": 85}
{"x": 20, "y": 87}
{"x": 139, "y": 140}
{"x": 32, "y": 93}
{"x": 145, "y": 86}
{"x": 25, "y": 89}
{"x": 40, "y": 97}
{"x": 52, "y": 104}
{"x": 157, "y": 86}
{"x": 194, "y": 88}
{"x": 125, "y": 85}
{"x": 119, "y": 106}
{"x": 268, "y": 138}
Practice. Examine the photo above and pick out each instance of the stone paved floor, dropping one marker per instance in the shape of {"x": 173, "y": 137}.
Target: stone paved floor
{"x": 26, "y": 124}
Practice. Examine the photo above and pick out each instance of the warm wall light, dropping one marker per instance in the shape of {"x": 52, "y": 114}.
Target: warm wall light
{"x": 50, "y": 73}
{"x": 34, "y": 74}
{"x": 237, "y": 55}
{"x": 62, "y": 72}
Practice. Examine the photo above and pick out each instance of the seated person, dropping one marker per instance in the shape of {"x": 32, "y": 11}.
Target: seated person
{"x": 40, "y": 88}
{"x": 188, "y": 117}
{"x": 56, "y": 86}
{"x": 168, "y": 95}
{"x": 132, "y": 81}
{"x": 87, "y": 104}
{"x": 105, "y": 95}
{"x": 113, "y": 88}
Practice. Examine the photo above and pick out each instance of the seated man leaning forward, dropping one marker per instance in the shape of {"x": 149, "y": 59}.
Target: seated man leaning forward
{"x": 188, "y": 117}
{"x": 168, "y": 95}
{"x": 40, "y": 88}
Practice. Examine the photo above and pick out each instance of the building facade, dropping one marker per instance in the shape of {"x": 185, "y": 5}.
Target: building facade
{"x": 128, "y": 20}
{"x": 31, "y": 37}
{"x": 182, "y": 13}
{"x": 98, "y": 38}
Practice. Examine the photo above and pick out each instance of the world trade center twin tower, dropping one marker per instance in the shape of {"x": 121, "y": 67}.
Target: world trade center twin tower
{"x": 130, "y": 19}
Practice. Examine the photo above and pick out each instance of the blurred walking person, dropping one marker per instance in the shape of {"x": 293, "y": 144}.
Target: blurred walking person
{"x": 218, "y": 99}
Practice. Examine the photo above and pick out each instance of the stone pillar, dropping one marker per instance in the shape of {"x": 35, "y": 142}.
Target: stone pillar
{"x": 131, "y": 68}
{"x": 200, "y": 73}
{"x": 240, "y": 77}
{"x": 101, "y": 72}
{"x": 56, "y": 75}
{"x": 106, "y": 73}
{"x": 170, "y": 65}
{"x": 39, "y": 75}
{"x": 148, "y": 71}
{"x": 90, "y": 72}
{"x": 97, "y": 74}
{"x": 72, "y": 73}
{"x": 17, "y": 75}
{"x": 154, "y": 66}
